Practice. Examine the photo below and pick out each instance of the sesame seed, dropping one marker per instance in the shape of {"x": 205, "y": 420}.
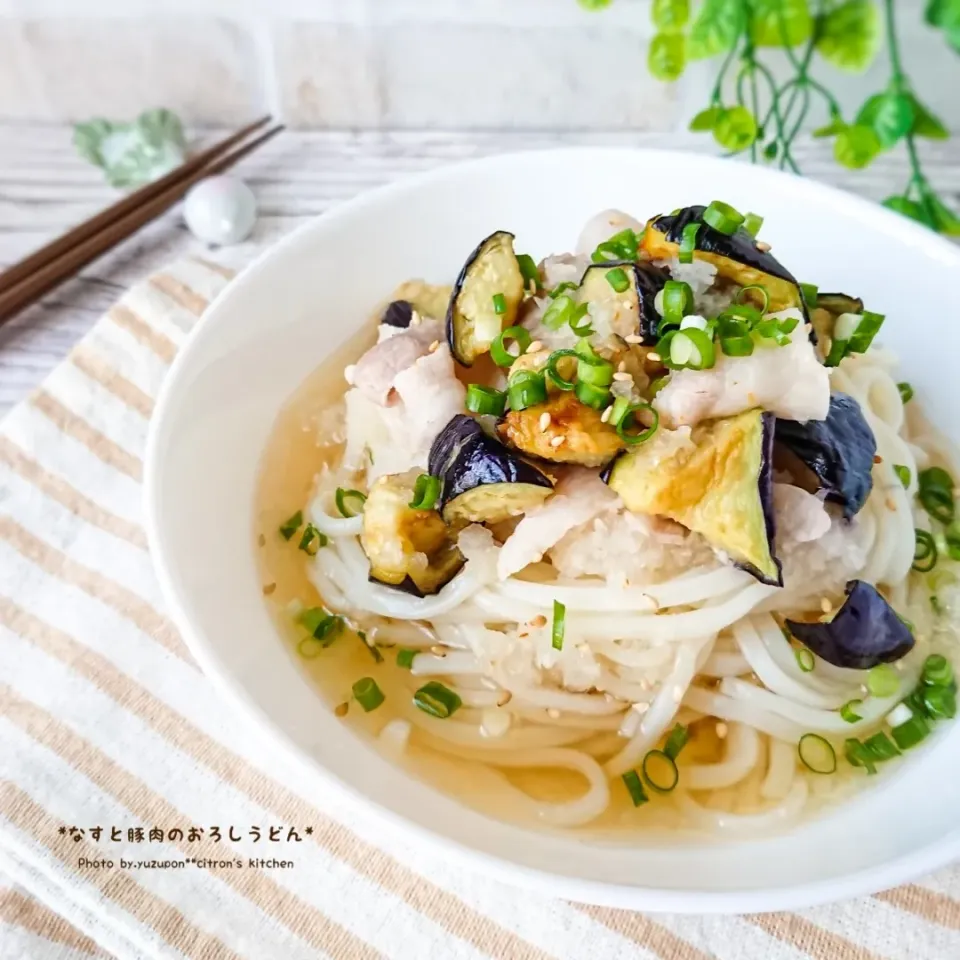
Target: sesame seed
{"x": 622, "y": 377}
{"x": 434, "y": 345}
{"x": 544, "y": 421}
{"x": 535, "y": 346}
{"x": 721, "y": 729}
{"x": 553, "y": 713}
{"x": 878, "y": 459}
{"x": 348, "y": 373}
{"x": 261, "y": 540}
{"x": 677, "y": 694}
{"x": 633, "y": 338}
{"x": 522, "y": 635}
{"x": 654, "y": 357}
{"x": 605, "y": 416}
{"x": 341, "y": 709}
{"x": 538, "y": 621}
{"x": 415, "y": 318}
{"x": 825, "y": 605}
{"x": 621, "y": 366}
{"x": 763, "y": 246}
{"x": 268, "y": 588}
{"x": 556, "y": 441}
{"x": 438, "y": 651}
{"x": 504, "y": 698}
{"x": 891, "y": 505}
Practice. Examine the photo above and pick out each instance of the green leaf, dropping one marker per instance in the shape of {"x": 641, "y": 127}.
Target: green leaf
{"x": 946, "y": 220}
{"x": 88, "y": 137}
{"x": 835, "y": 126}
{"x": 889, "y": 115}
{"x": 856, "y": 146}
{"x": 716, "y": 27}
{"x": 909, "y": 208}
{"x": 943, "y": 13}
{"x": 925, "y": 124}
{"x": 735, "y": 129}
{"x": 849, "y": 35}
{"x": 706, "y": 119}
{"x": 667, "y": 56}
{"x": 670, "y": 15}
{"x": 778, "y": 23}
{"x": 594, "y": 4}
{"x": 770, "y": 150}
{"x": 160, "y": 129}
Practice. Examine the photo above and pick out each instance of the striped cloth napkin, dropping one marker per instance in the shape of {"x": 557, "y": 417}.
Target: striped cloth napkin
{"x": 114, "y": 749}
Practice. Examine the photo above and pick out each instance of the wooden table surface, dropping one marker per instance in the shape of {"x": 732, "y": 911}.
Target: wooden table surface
{"x": 45, "y": 188}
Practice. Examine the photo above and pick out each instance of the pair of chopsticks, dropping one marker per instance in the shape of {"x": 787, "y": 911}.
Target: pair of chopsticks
{"x": 25, "y": 282}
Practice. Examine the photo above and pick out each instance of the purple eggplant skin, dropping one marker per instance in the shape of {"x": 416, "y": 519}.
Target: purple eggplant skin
{"x": 650, "y": 280}
{"x": 864, "y": 632}
{"x": 765, "y": 491}
{"x": 839, "y": 451}
{"x": 464, "y": 457}
{"x": 397, "y": 313}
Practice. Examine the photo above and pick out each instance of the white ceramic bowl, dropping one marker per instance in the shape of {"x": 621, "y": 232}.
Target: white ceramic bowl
{"x": 303, "y": 297}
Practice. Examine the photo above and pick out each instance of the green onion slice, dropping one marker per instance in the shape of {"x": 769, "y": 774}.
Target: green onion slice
{"x": 805, "y": 659}
{"x": 526, "y": 389}
{"x": 499, "y": 304}
{"x": 621, "y": 246}
{"x": 660, "y": 771}
{"x": 752, "y": 223}
{"x": 817, "y": 754}
{"x": 940, "y": 702}
{"x": 737, "y": 346}
{"x": 882, "y": 680}
{"x": 676, "y": 741}
{"x": 689, "y": 348}
{"x": 906, "y": 391}
{"x": 880, "y": 747}
{"x": 849, "y": 711}
{"x": 688, "y": 242}
{"x": 561, "y": 288}
{"x": 912, "y": 732}
{"x": 559, "y": 312}
{"x": 761, "y": 291}
{"x": 595, "y": 370}
{"x": 289, "y": 527}
{"x": 426, "y": 492}
{"x": 935, "y": 478}
{"x": 553, "y": 373}
{"x": 312, "y": 540}
{"x": 903, "y": 474}
{"x": 657, "y": 385}
{"x": 581, "y": 327}
{"x": 858, "y": 756}
{"x": 631, "y": 780}
{"x": 368, "y": 694}
{"x": 341, "y": 497}
{"x": 809, "y": 293}
{"x": 437, "y": 700}
{"x": 485, "y": 400}
{"x": 925, "y": 552}
{"x": 617, "y": 278}
{"x": 626, "y": 420}
{"x": 677, "y": 300}
{"x": 592, "y": 396}
{"x": 937, "y": 671}
{"x": 528, "y": 268}
{"x": 559, "y": 624}
{"x": 501, "y": 355}
{"x": 722, "y": 217}
{"x": 405, "y": 658}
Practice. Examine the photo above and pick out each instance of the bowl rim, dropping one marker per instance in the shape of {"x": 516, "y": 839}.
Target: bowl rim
{"x": 897, "y": 871}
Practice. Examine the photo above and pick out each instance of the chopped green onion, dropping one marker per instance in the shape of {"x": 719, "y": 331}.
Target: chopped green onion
{"x": 526, "y": 389}
{"x": 559, "y": 312}
{"x": 660, "y": 771}
{"x": 690, "y": 348}
{"x": 676, "y": 741}
{"x": 906, "y": 391}
{"x": 764, "y": 296}
{"x": 312, "y": 540}
{"x": 370, "y": 647}
{"x": 936, "y": 494}
{"x": 809, "y": 293}
{"x": 752, "y": 223}
{"x": 405, "y": 658}
{"x": 499, "y": 304}
{"x": 936, "y": 478}
{"x": 553, "y": 372}
{"x": 585, "y": 349}
{"x": 853, "y": 333}
{"x": 626, "y": 418}
{"x": 368, "y": 694}
{"x": 617, "y": 278}
{"x": 485, "y": 400}
{"x": 882, "y": 680}
{"x": 805, "y": 659}
{"x": 584, "y": 329}
{"x": 631, "y": 780}
{"x": 528, "y": 268}
{"x": 903, "y": 474}
{"x": 722, "y": 217}
{"x": 688, "y": 242}
{"x": 937, "y": 671}
{"x": 951, "y": 541}
{"x": 426, "y": 492}
{"x": 909, "y": 734}
{"x": 341, "y": 497}
{"x": 848, "y": 711}
{"x": 559, "y": 624}
{"x": 858, "y": 756}
{"x": 677, "y": 300}
{"x": 621, "y": 246}
{"x": 925, "y": 552}
{"x": 817, "y": 754}
{"x": 310, "y": 649}
{"x": 941, "y": 702}
{"x": 880, "y": 747}
{"x": 501, "y": 356}
{"x": 289, "y": 527}
{"x": 597, "y": 371}
{"x": 737, "y": 346}
{"x": 437, "y": 700}
{"x": 592, "y": 396}
{"x": 868, "y": 327}
{"x": 657, "y": 385}
{"x": 560, "y": 288}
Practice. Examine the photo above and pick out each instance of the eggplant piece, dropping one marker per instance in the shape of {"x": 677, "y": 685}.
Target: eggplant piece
{"x": 865, "y": 631}
{"x": 587, "y": 440}
{"x": 721, "y": 487}
{"x": 411, "y": 550}
{"x": 736, "y": 256}
{"x": 482, "y": 481}
{"x": 632, "y": 310}
{"x": 835, "y": 455}
{"x": 472, "y": 320}
{"x": 398, "y": 313}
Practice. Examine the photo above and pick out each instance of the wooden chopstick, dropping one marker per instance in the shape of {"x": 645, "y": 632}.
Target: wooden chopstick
{"x": 27, "y": 281}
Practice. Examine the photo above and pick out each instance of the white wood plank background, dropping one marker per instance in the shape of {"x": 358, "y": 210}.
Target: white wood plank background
{"x": 45, "y": 188}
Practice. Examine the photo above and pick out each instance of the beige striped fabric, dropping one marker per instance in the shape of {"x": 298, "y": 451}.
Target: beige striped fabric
{"x": 106, "y": 722}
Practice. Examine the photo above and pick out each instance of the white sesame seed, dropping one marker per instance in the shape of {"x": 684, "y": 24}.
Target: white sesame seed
{"x": 654, "y": 357}
{"x": 605, "y": 416}
{"x": 434, "y": 345}
{"x": 621, "y": 366}
{"x": 825, "y": 605}
{"x": 349, "y": 373}
{"x": 721, "y": 729}
{"x": 763, "y": 246}
{"x": 677, "y": 694}
{"x": 553, "y": 713}
{"x": 538, "y": 621}
{"x": 438, "y": 651}
{"x": 633, "y": 338}
{"x": 556, "y": 441}
{"x": 415, "y": 319}
{"x": 622, "y": 377}
{"x": 641, "y": 708}
{"x": 544, "y": 421}
{"x": 535, "y": 346}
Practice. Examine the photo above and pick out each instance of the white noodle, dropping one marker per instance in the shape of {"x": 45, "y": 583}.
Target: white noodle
{"x": 740, "y": 824}
{"x": 457, "y": 661}
{"x": 742, "y": 753}
{"x": 781, "y": 770}
{"x": 724, "y": 708}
